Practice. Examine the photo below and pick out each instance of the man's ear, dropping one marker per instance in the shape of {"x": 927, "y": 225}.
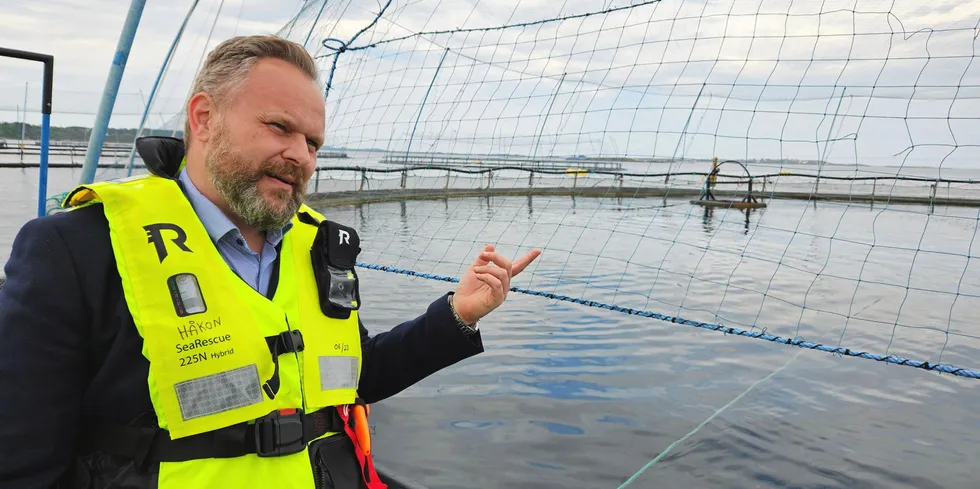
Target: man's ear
{"x": 200, "y": 114}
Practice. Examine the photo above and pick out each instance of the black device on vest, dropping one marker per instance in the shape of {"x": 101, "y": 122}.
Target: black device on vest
{"x": 334, "y": 252}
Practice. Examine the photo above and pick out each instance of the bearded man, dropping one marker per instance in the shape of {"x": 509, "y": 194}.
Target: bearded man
{"x": 198, "y": 326}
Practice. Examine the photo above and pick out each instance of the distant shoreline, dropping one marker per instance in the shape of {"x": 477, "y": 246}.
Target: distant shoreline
{"x": 10, "y": 146}
{"x": 73, "y": 141}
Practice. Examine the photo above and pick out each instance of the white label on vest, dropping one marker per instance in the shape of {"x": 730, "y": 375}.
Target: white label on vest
{"x": 338, "y": 373}
{"x": 219, "y": 392}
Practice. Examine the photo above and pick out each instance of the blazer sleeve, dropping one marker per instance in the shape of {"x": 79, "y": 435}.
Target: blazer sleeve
{"x": 395, "y": 360}
{"x": 42, "y": 359}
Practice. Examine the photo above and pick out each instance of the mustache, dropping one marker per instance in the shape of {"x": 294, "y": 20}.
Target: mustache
{"x": 281, "y": 169}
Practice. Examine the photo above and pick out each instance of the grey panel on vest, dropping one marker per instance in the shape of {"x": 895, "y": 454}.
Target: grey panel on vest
{"x": 219, "y": 392}
{"x": 338, "y": 373}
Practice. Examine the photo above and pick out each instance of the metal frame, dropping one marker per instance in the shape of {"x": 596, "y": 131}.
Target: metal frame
{"x": 48, "y": 61}
{"x": 708, "y": 199}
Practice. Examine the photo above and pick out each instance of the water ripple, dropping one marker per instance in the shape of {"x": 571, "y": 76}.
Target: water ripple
{"x": 623, "y": 388}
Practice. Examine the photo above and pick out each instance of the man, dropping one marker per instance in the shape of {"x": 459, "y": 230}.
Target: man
{"x": 198, "y": 327}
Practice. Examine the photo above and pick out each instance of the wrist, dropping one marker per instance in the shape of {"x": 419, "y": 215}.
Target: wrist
{"x": 463, "y": 322}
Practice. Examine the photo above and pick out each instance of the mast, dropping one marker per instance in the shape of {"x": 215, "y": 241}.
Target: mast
{"x": 156, "y": 85}
{"x": 97, "y": 137}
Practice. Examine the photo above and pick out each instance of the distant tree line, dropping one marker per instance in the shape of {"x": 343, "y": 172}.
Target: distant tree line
{"x": 11, "y": 130}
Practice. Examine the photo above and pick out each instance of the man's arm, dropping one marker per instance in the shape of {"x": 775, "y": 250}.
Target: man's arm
{"x": 394, "y": 360}
{"x": 42, "y": 359}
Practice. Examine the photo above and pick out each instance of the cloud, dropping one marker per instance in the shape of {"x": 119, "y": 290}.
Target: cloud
{"x": 770, "y": 77}
{"x": 746, "y": 78}
{"x": 82, "y": 36}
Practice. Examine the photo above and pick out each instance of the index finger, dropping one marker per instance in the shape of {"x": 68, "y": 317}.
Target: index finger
{"x": 499, "y": 259}
{"x": 521, "y": 263}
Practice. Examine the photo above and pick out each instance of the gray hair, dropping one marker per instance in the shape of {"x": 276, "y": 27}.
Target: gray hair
{"x": 228, "y": 65}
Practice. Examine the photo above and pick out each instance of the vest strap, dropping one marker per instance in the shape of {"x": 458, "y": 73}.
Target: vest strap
{"x": 286, "y": 342}
{"x": 279, "y": 433}
{"x": 368, "y": 473}
{"x": 290, "y": 341}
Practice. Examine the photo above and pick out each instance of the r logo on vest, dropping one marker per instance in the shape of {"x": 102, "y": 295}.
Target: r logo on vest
{"x": 154, "y": 233}
{"x": 333, "y": 267}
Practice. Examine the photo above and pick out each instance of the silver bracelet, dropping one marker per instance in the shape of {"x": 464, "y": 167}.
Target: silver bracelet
{"x": 468, "y": 328}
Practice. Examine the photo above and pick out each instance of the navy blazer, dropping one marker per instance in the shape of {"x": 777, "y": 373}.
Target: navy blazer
{"x": 70, "y": 354}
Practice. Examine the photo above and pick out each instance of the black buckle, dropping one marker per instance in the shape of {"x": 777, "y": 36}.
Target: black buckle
{"x": 293, "y": 340}
{"x": 279, "y": 433}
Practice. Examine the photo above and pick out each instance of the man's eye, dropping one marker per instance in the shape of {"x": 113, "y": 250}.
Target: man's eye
{"x": 278, "y": 126}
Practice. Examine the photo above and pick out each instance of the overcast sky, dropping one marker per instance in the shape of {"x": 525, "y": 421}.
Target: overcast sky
{"x": 868, "y": 79}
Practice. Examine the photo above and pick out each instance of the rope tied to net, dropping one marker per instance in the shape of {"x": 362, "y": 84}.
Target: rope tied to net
{"x": 338, "y": 46}
{"x": 507, "y": 26}
{"x": 342, "y": 46}
{"x": 763, "y": 335}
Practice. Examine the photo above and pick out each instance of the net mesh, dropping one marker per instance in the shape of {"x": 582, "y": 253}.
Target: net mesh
{"x": 798, "y": 171}
{"x": 594, "y": 133}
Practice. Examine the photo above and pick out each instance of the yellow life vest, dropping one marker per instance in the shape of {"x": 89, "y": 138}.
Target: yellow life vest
{"x": 205, "y": 331}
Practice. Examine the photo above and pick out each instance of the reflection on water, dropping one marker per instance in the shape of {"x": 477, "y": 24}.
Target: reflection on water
{"x": 707, "y": 222}
{"x": 572, "y": 396}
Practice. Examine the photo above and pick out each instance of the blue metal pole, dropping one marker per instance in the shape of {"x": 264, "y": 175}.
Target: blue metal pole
{"x": 97, "y": 138}
{"x": 46, "y": 90}
{"x": 42, "y": 186}
{"x": 156, "y": 84}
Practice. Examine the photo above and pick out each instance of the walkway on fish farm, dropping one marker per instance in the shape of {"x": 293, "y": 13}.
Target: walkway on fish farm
{"x": 438, "y": 183}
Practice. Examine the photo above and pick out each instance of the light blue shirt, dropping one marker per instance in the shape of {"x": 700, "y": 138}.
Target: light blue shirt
{"x": 254, "y": 268}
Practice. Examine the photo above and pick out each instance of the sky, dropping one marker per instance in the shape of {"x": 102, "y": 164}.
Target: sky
{"x": 848, "y": 81}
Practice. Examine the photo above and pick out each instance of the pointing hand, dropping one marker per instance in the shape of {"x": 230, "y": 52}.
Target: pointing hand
{"x": 485, "y": 283}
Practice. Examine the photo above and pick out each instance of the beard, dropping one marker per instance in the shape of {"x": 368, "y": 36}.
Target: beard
{"x": 236, "y": 179}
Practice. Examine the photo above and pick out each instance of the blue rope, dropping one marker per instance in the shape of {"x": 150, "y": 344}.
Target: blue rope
{"x": 343, "y": 46}
{"x": 501, "y": 27}
{"x": 338, "y": 46}
{"x": 799, "y": 342}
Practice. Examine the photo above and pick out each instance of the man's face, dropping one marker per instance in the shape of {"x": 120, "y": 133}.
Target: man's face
{"x": 264, "y": 139}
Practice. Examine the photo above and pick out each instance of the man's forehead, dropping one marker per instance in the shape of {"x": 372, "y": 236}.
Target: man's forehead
{"x": 274, "y": 85}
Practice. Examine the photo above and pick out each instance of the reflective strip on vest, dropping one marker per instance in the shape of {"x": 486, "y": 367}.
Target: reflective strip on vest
{"x": 204, "y": 330}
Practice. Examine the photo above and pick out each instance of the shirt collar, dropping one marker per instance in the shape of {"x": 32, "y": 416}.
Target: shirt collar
{"x": 215, "y": 221}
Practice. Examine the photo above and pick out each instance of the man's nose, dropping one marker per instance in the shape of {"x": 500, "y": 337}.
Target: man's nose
{"x": 298, "y": 150}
